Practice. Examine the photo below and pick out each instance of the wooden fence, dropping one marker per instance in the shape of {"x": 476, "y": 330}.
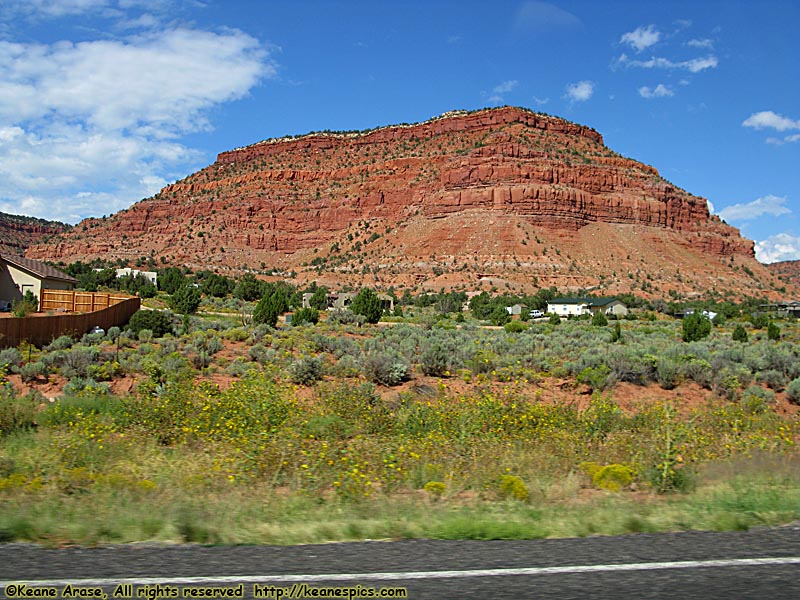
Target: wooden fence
{"x": 78, "y": 302}
{"x": 43, "y": 329}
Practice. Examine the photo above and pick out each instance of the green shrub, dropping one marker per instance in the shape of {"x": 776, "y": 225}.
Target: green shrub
{"x": 33, "y": 370}
{"x": 435, "y": 361}
{"x": 10, "y": 359}
{"x": 773, "y": 331}
{"x": 17, "y": 412}
{"x": 759, "y": 321}
{"x": 756, "y": 400}
{"x": 515, "y": 327}
{"x": 739, "y": 334}
{"x": 555, "y": 319}
{"x": 599, "y": 319}
{"x": 24, "y": 307}
{"x": 667, "y": 373}
{"x": 306, "y": 370}
{"x": 155, "y": 320}
{"x": 62, "y": 342}
{"x": 78, "y": 385}
{"x": 345, "y": 317}
{"x": 595, "y": 377}
{"x": 385, "y": 368}
{"x": 793, "y": 391}
{"x": 695, "y": 326}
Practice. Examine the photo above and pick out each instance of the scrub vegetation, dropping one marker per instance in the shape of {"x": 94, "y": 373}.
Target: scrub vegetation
{"x": 216, "y": 429}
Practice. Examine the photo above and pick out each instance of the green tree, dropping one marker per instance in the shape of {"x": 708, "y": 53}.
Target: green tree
{"x": 773, "y": 331}
{"x": 249, "y": 288}
{"x": 154, "y": 320}
{"x": 217, "y": 285}
{"x": 368, "y": 304}
{"x": 320, "y": 298}
{"x": 739, "y": 334}
{"x": 185, "y": 300}
{"x": 499, "y": 316}
{"x": 268, "y": 310}
{"x": 599, "y": 319}
{"x": 171, "y": 279}
{"x": 696, "y": 326}
{"x": 308, "y": 316}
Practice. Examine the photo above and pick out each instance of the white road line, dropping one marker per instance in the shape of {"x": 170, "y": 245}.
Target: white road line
{"x": 389, "y": 576}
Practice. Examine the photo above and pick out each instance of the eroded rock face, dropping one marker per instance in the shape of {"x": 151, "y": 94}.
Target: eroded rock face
{"x": 17, "y": 233}
{"x": 323, "y": 200}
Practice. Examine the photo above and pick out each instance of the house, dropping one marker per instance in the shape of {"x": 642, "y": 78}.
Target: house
{"x": 516, "y": 309}
{"x": 150, "y": 276}
{"x": 565, "y": 307}
{"x": 783, "y": 309}
{"x": 387, "y": 302}
{"x": 708, "y": 314}
{"x": 343, "y": 300}
{"x": 19, "y": 275}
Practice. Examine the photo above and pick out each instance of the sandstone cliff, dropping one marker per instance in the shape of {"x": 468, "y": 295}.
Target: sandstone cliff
{"x": 499, "y": 197}
{"x": 17, "y": 233}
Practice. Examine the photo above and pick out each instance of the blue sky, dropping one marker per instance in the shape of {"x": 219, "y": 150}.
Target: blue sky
{"x": 103, "y": 102}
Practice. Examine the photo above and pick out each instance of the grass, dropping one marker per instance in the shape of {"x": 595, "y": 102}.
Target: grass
{"x": 252, "y": 516}
{"x": 265, "y": 461}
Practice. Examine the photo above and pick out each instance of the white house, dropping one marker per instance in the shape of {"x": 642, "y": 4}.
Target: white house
{"x": 151, "y": 276}
{"x": 565, "y": 307}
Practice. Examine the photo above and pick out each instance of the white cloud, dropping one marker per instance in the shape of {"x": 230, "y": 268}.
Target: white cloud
{"x": 539, "y": 17}
{"x": 766, "y": 205}
{"x": 704, "y": 43}
{"x": 782, "y": 246}
{"x": 694, "y": 65}
{"x": 710, "y": 207}
{"x": 541, "y": 101}
{"x": 660, "y": 91}
{"x": 769, "y": 119}
{"x": 505, "y": 87}
{"x": 112, "y": 111}
{"x": 579, "y": 91}
{"x": 500, "y": 90}
{"x": 641, "y": 37}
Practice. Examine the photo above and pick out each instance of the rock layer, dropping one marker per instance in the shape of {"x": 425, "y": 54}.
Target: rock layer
{"x": 318, "y": 204}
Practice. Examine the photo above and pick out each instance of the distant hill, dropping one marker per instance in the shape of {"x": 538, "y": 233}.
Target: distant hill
{"x": 18, "y": 233}
{"x": 502, "y": 198}
{"x": 787, "y": 270}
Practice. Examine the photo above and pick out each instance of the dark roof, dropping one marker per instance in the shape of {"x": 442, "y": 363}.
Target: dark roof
{"x": 39, "y": 269}
{"x": 588, "y": 301}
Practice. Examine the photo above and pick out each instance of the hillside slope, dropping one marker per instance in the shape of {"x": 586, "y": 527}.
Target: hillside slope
{"x": 18, "y": 233}
{"x": 503, "y": 197}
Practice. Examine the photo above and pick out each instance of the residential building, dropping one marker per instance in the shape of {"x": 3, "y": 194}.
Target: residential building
{"x": 19, "y": 275}
{"x": 566, "y": 307}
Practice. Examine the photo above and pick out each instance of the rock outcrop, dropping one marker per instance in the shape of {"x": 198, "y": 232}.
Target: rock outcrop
{"x": 433, "y": 203}
{"x": 18, "y": 233}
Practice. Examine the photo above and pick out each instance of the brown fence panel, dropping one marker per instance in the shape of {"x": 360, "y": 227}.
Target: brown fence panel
{"x": 41, "y": 330}
{"x": 80, "y": 302}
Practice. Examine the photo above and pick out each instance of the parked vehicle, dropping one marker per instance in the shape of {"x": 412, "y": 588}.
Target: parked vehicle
{"x": 536, "y": 314}
{"x": 5, "y": 306}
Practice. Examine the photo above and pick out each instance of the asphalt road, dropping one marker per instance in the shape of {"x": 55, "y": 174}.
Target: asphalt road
{"x": 763, "y": 563}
